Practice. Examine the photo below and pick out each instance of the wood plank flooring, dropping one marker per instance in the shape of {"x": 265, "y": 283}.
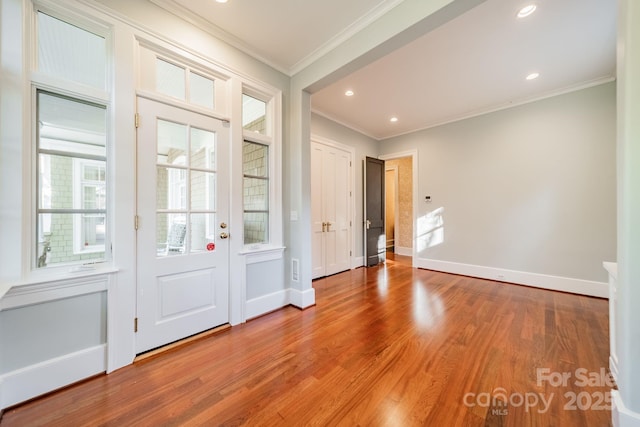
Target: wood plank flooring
{"x": 384, "y": 346}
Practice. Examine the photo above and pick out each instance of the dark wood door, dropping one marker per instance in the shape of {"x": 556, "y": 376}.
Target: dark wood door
{"x": 375, "y": 240}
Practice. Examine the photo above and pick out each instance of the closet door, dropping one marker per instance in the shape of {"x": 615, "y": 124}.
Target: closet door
{"x": 336, "y": 198}
{"x": 317, "y": 222}
{"x": 331, "y": 209}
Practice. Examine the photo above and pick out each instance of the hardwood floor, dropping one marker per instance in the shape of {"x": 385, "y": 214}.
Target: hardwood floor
{"x": 387, "y": 345}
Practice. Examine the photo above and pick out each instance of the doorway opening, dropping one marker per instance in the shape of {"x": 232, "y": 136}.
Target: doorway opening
{"x": 399, "y": 206}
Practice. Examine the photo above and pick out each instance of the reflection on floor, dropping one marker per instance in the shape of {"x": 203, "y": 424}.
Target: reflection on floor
{"x": 399, "y": 259}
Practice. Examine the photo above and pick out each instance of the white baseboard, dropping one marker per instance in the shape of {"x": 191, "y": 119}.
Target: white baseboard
{"x": 399, "y": 250}
{"x": 621, "y": 416}
{"x": 302, "y": 299}
{"x": 555, "y": 283}
{"x": 31, "y": 381}
{"x": 264, "y": 304}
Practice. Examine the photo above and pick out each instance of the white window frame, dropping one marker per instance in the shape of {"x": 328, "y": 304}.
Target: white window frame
{"x": 40, "y": 81}
{"x": 273, "y": 140}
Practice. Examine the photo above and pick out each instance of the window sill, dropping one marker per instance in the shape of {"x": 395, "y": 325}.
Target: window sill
{"x": 46, "y": 277}
{"x": 262, "y": 253}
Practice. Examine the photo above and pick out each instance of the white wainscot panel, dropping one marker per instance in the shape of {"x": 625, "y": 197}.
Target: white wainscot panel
{"x": 53, "y": 334}
{"x": 264, "y": 282}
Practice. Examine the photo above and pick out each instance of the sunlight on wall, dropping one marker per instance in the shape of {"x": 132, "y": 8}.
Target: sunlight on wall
{"x": 430, "y": 229}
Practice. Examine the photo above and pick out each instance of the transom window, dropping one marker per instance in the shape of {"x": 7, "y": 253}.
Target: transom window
{"x": 184, "y": 84}
{"x": 68, "y": 52}
{"x": 254, "y": 115}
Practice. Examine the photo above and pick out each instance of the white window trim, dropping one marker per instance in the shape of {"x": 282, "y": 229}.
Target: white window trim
{"x": 272, "y": 139}
{"x": 40, "y": 81}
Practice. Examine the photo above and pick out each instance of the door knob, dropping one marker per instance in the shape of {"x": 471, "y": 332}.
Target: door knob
{"x": 368, "y": 223}
{"x": 224, "y": 235}
{"x": 223, "y": 225}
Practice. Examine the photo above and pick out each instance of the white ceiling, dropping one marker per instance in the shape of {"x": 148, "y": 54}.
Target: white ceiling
{"x": 474, "y": 64}
{"x": 286, "y": 34}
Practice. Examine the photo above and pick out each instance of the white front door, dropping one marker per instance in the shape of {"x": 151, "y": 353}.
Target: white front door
{"x": 183, "y": 208}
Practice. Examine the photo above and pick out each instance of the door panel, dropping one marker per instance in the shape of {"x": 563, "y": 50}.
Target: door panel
{"x": 317, "y": 220}
{"x": 375, "y": 240}
{"x": 337, "y": 212}
{"x": 183, "y": 263}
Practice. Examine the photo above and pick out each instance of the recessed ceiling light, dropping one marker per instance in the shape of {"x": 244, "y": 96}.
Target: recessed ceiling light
{"x": 533, "y": 76}
{"x": 221, "y": 1}
{"x": 527, "y": 10}
{"x": 393, "y": 119}
{"x": 349, "y": 93}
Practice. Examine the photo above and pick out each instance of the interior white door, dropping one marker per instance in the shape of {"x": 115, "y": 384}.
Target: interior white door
{"x": 331, "y": 209}
{"x": 182, "y": 245}
{"x": 318, "y": 223}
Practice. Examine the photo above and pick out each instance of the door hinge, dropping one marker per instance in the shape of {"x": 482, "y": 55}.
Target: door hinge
{"x": 136, "y": 222}
{"x": 350, "y": 254}
{"x": 136, "y": 120}
{"x": 135, "y": 324}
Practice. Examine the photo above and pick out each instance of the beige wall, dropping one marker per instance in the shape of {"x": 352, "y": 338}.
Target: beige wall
{"x": 404, "y": 234}
{"x": 390, "y": 211}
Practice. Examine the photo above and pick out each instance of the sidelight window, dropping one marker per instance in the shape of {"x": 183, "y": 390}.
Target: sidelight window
{"x": 255, "y": 169}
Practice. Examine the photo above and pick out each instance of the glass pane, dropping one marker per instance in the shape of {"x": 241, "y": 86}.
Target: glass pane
{"x": 93, "y": 196}
{"x": 171, "y": 188}
{"x": 203, "y": 191}
{"x": 203, "y": 149}
{"x": 172, "y": 143}
{"x": 71, "y": 53}
{"x": 256, "y": 226}
{"x": 70, "y": 237}
{"x": 171, "y": 232}
{"x": 255, "y": 159}
{"x": 71, "y": 126}
{"x": 254, "y": 114}
{"x": 256, "y": 194}
{"x": 201, "y": 91}
{"x": 55, "y": 182}
{"x": 93, "y": 172}
{"x": 93, "y": 227}
{"x": 203, "y": 227}
{"x": 170, "y": 79}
